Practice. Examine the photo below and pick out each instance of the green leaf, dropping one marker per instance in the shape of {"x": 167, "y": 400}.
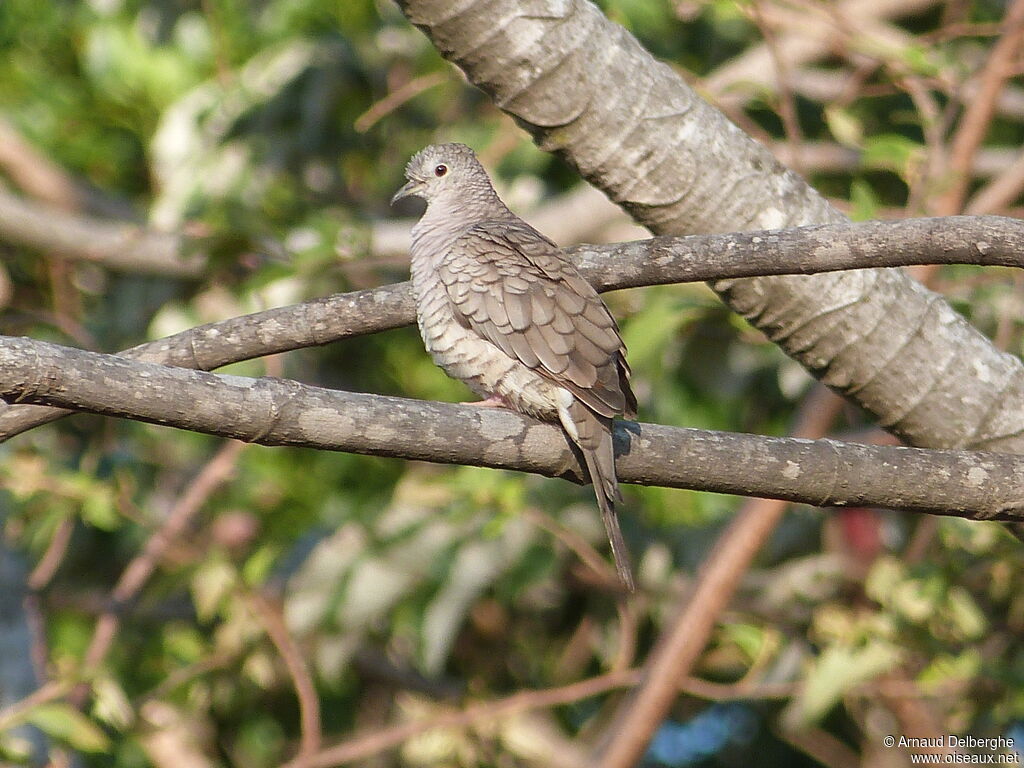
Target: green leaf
{"x": 750, "y": 638}
{"x": 67, "y": 724}
{"x": 882, "y": 579}
{"x": 864, "y": 203}
{"x": 892, "y": 152}
{"x": 920, "y": 59}
{"x": 945, "y": 667}
{"x": 99, "y": 509}
{"x": 834, "y": 672}
{"x": 650, "y": 331}
{"x": 846, "y": 127}
{"x": 212, "y": 582}
{"x": 962, "y": 615}
{"x": 259, "y": 565}
{"x": 14, "y": 747}
{"x": 111, "y": 704}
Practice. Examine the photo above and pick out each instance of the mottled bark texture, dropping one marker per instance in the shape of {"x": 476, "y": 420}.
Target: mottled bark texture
{"x": 986, "y": 486}
{"x": 984, "y": 240}
{"x": 587, "y": 90}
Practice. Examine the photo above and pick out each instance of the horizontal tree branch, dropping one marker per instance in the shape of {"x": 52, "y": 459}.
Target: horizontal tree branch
{"x": 118, "y": 245}
{"x": 983, "y": 486}
{"x": 983, "y": 240}
{"x": 833, "y": 157}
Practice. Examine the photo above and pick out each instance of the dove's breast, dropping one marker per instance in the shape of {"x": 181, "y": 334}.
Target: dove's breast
{"x": 466, "y": 356}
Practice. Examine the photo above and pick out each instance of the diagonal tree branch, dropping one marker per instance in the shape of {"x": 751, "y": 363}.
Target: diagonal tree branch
{"x": 987, "y": 486}
{"x": 985, "y": 240}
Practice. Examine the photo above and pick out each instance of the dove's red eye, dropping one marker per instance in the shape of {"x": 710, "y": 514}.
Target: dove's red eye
{"x": 441, "y": 170}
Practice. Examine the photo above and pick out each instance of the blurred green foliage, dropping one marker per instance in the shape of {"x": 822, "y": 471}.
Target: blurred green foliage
{"x": 259, "y": 128}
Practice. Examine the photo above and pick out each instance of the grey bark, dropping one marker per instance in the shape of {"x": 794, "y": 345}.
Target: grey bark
{"x": 988, "y": 486}
{"x": 987, "y": 240}
{"x": 587, "y": 90}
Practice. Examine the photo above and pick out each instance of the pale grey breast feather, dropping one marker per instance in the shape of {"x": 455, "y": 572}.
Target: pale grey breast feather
{"x": 465, "y": 355}
{"x": 513, "y": 287}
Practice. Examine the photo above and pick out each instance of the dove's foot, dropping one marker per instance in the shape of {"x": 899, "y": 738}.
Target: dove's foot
{"x": 494, "y": 401}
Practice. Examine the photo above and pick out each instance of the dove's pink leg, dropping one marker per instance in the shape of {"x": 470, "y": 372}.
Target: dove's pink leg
{"x": 494, "y": 401}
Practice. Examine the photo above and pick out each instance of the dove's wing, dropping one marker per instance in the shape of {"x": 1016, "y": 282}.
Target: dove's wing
{"x": 512, "y": 286}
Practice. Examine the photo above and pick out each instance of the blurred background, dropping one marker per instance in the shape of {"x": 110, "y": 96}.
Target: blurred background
{"x": 169, "y": 599}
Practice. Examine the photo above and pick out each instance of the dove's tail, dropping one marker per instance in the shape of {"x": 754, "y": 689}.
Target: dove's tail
{"x": 593, "y": 434}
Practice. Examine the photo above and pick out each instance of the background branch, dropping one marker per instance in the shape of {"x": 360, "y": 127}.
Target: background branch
{"x": 117, "y": 245}
{"x": 41, "y": 178}
{"x": 980, "y": 110}
{"x": 214, "y": 474}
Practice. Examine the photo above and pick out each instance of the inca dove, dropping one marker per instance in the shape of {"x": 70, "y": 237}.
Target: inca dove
{"x": 501, "y": 309}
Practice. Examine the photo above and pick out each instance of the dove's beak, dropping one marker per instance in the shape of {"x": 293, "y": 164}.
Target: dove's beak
{"x": 411, "y": 187}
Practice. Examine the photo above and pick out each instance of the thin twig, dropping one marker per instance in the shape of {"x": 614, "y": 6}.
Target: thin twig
{"x": 920, "y": 201}
{"x": 915, "y": 714}
{"x": 310, "y": 729}
{"x": 576, "y": 544}
{"x": 15, "y": 713}
{"x": 787, "y": 99}
{"x": 397, "y": 98}
{"x": 53, "y": 556}
{"x": 35, "y": 173}
{"x": 216, "y": 472}
{"x": 821, "y": 746}
{"x": 813, "y": 35}
{"x": 1001, "y": 191}
{"x": 629, "y": 620}
{"x": 391, "y": 737}
{"x": 981, "y": 109}
{"x": 182, "y": 675}
{"x": 371, "y": 744}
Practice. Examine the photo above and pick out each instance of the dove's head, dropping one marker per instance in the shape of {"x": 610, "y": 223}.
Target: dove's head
{"x": 444, "y": 171}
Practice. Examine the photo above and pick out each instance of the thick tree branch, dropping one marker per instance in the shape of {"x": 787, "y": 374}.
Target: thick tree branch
{"x": 983, "y": 240}
{"x": 986, "y": 486}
